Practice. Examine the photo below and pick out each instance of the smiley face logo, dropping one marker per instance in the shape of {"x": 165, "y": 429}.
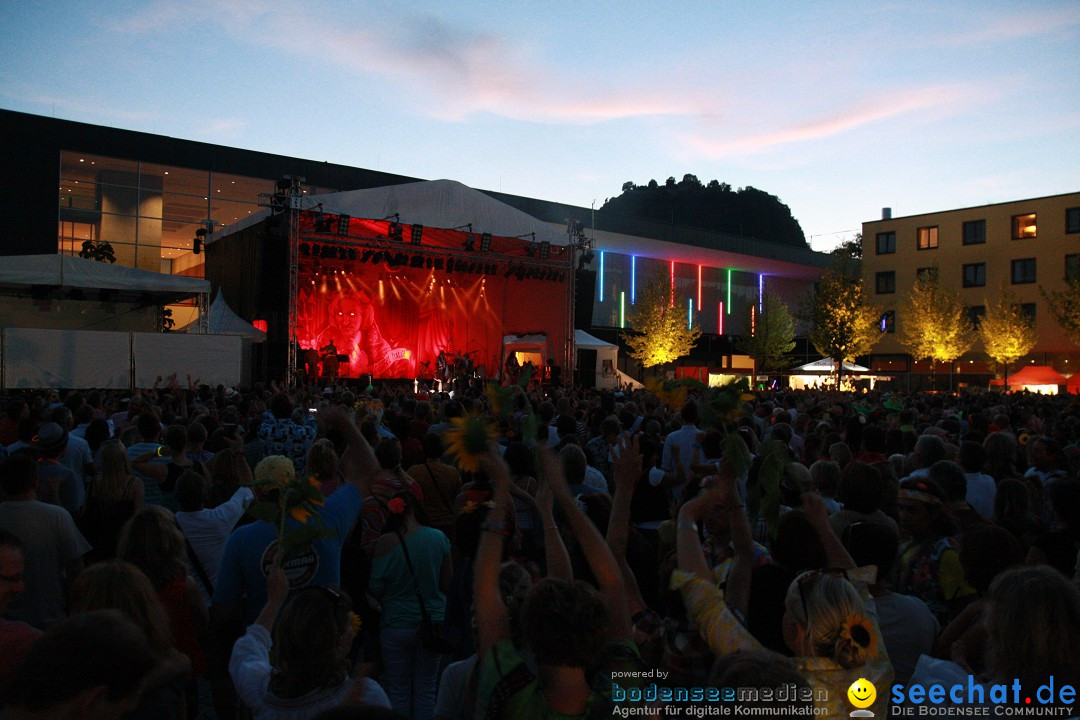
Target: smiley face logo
{"x": 862, "y": 693}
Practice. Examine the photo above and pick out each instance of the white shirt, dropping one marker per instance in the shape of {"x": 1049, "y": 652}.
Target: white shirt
{"x": 685, "y": 438}
{"x": 207, "y": 530}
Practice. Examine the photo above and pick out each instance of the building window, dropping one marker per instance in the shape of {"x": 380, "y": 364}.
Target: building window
{"x": 886, "y": 243}
{"x": 930, "y": 273}
{"x": 975, "y": 232}
{"x": 1023, "y": 271}
{"x": 1029, "y": 310}
{"x": 975, "y": 314}
{"x": 886, "y": 282}
{"x": 1072, "y": 267}
{"x": 888, "y": 321}
{"x": 975, "y": 275}
{"x": 1024, "y": 226}
{"x": 1072, "y": 220}
{"x": 928, "y": 237}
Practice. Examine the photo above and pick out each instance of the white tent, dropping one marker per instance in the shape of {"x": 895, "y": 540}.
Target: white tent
{"x": 224, "y": 321}
{"x": 66, "y": 272}
{"x": 434, "y": 203}
{"x": 532, "y": 348}
{"x": 817, "y": 373}
{"x": 606, "y": 369}
{"x": 827, "y": 365}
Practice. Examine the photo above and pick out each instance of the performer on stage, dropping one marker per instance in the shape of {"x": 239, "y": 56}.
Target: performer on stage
{"x": 513, "y": 367}
{"x": 330, "y": 362}
{"x": 442, "y": 367}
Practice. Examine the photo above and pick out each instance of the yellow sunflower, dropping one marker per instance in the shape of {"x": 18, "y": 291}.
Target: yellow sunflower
{"x": 468, "y": 441}
{"x": 299, "y": 513}
{"x": 859, "y": 632}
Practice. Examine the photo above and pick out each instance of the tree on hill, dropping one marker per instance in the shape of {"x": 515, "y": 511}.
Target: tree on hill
{"x": 714, "y": 206}
{"x": 661, "y": 333}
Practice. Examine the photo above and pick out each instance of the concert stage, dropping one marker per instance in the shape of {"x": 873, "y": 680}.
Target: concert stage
{"x": 385, "y": 298}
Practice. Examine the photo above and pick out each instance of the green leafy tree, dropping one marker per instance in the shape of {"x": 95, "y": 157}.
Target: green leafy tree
{"x": 773, "y": 333}
{"x": 660, "y": 330}
{"x": 843, "y": 322}
{"x": 1007, "y": 332}
{"x": 1065, "y": 307}
{"x": 935, "y": 324}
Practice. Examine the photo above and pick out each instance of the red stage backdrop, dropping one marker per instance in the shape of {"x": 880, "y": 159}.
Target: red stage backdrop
{"x": 391, "y": 305}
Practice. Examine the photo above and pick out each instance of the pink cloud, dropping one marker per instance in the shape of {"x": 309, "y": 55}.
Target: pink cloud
{"x": 868, "y": 112}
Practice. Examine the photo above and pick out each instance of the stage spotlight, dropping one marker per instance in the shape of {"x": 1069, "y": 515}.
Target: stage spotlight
{"x": 469, "y": 243}
{"x": 394, "y": 231}
{"x": 416, "y": 234}
{"x": 343, "y": 224}
{"x": 305, "y": 249}
{"x": 531, "y": 250}
{"x": 485, "y": 242}
{"x": 315, "y": 251}
{"x": 352, "y": 253}
{"x": 545, "y": 250}
{"x": 341, "y": 253}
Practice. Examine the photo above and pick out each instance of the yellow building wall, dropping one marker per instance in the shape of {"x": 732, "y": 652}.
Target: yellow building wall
{"x": 1049, "y": 248}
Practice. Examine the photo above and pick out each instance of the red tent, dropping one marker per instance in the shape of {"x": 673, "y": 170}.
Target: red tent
{"x": 1073, "y": 385}
{"x": 1036, "y": 375}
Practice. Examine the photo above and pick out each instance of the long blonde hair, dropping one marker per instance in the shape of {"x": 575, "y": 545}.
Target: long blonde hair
{"x": 827, "y": 607}
{"x": 116, "y": 472}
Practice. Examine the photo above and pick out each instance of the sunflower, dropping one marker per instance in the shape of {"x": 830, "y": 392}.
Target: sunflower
{"x": 860, "y": 633}
{"x": 300, "y": 514}
{"x": 468, "y": 441}
{"x": 355, "y": 621}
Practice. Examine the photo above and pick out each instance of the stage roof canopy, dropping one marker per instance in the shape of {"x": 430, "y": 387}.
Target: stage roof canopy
{"x": 434, "y": 203}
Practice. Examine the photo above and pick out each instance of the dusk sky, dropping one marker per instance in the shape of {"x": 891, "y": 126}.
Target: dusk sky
{"x": 838, "y": 108}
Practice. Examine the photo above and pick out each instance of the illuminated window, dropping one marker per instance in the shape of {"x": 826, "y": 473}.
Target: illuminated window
{"x": 975, "y": 314}
{"x": 1072, "y": 267}
{"x": 888, "y": 321}
{"x": 1024, "y": 226}
{"x": 1072, "y": 220}
{"x": 886, "y": 282}
{"x": 1023, "y": 271}
{"x": 975, "y": 275}
{"x": 975, "y": 232}
{"x": 928, "y": 237}
{"x": 886, "y": 243}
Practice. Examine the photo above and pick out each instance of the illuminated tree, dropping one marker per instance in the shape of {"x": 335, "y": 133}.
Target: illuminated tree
{"x": 772, "y": 333}
{"x": 661, "y": 331}
{"x": 1065, "y": 307}
{"x": 843, "y": 322}
{"x": 934, "y": 323}
{"x": 1007, "y": 332}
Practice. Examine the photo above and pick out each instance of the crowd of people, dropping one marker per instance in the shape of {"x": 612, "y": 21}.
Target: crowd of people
{"x": 604, "y": 541}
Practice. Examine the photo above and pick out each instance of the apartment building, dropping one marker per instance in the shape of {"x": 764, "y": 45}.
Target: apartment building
{"x": 1021, "y": 246}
